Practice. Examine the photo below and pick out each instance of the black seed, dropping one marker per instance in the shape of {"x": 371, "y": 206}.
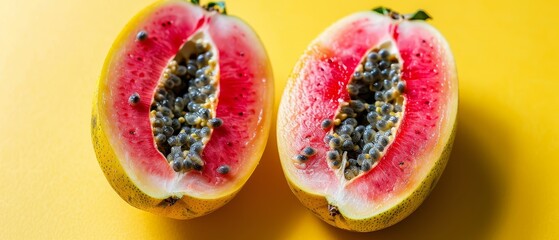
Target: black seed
{"x": 134, "y": 99}
{"x": 223, "y": 169}
{"x": 393, "y": 119}
{"x": 179, "y": 103}
{"x": 384, "y": 54}
{"x": 327, "y": 138}
{"x": 176, "y": 124}
{"x": 381, "y": 125}
{"x": 345, "y": 137}
{"x": 367, "y": 147}
{"x": 215, "y": 122}
{"x": 366, "y": 166}
{"x": 191, "y": 69}
{"x": 199, "y": 82}
{"x": 160, "y": 138}
{"x": 392, "y": 74}
{"x": 397, "y": 107}
{"x": 359, "y": 129}
{"x": 177, "y": 165}
{"x": 349, "y": 174}
{"x": 385, "y": 73}
{"x": 326, "y": 123}
{"x": 197, "y": 167}
{"x": 208, "y": 89}
{"x": 352, "y": 89}
{"x": 192, "y": 106}
{"x": 352, "y": 162}
{"x": 379, "y": 96}
{"x": 333, "y": 155}
{"x": 395, "y": 79}
{"x": 187, "y": 164}
{"x": 374, "y": 152}
{"x": 372, "y": 117}
{"x": 167, "y": 120}
{"x": 401, "y": 87}
{"x": 208, "y": 55}
{"x": 196, "y": 147}
{"x": 175, "y": 79}
{"x": 377, "y": 86}
{"x": 205, "y": 131}
{"x": 204, "y": 113}
{"x": 164, "y": 103}
{"x": 201, "y": 59}
{"x": 336, "y": 163}
{"x": 347, "y": 110}
{"x": 142, "y": 35}
{"x": 183, "y": 138}
{"x": 360, "y": 158}
{"x": 357, "y": 75}
{"x": 166, "y": 112}
{"x": 301, "y": 158}
{"x": 355, "y": 136}
{"x": 373, "y": 56}
{"x": 357, "y": 105}
{"x": 383, "y": 65}
{"x": 157, "y": 122}
{"x": 173, "y": 141}
{"x": 181, "y": 70}
{"x": 159, "y": 97}
{"x": 335, "y": 142}
{"x": 368, "y": 135}
{"x": 169, "y": 84}
{"x": 379, "y": 147}
{"x": 190, "y": 118}
{"x": 309, "y": 151}
{"x": 345, "y": 129}
{"x": 185, "y": 130}
{"x": 168, "y": 131}
{"x": 200, "y": 72}
{"x": 375, "y": 73}
{"x": 347, "y": 145}
{"x": 350, "y": 121}
{"x": 384, "y": 141}
{"x": 369, "y": 66}
{"x": 386, "y": 108}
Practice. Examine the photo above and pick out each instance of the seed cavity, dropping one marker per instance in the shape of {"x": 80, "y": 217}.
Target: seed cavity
{"x": 365, "y": 125}
{"x": 182, "y": 112}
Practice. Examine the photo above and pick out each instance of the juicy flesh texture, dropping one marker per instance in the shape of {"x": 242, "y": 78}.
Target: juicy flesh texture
{"x": 244, "y": 82}
{"x": 316, "y": 91}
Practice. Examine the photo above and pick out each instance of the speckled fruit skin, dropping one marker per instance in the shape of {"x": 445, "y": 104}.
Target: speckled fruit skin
{"x": 186, "y": 207}
{"x": 318, "y": 203}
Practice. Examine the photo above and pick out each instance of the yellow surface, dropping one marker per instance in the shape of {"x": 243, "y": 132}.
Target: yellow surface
{"x": 501, "y": 181}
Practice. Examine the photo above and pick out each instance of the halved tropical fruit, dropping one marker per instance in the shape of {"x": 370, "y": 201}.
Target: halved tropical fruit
{"x": 367, "y": 119}
{"x": 182, "y": 112}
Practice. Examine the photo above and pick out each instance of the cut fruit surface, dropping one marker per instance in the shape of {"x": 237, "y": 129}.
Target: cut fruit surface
{"x": 375, "y": 96}
{"x": 182, "y": 112}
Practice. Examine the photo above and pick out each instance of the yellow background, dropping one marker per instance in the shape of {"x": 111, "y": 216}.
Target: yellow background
{"x": 501, "y": 181}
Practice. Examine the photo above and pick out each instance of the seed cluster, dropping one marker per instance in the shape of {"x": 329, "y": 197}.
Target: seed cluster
{"x": 365, "y": 126}
{"x": 183, "y": 109}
